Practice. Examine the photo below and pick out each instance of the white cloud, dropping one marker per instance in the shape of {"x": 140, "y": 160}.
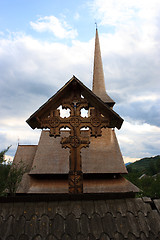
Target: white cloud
{"x": 77, "y": 16}
{"x": 115, "y": 12}
{"x": 25, "y": 59}
{"x": 141, "y": 128}
{"x": 59, "y": 28}
{"x": 138, "y": 140}
{"x": 151, "y": 97}
{"x": 125, "y": 140}
{"x": 129, "y": 159}
{"x": 130, "y": 51}
{"x": 31, "y": 71}
{"x": 135, "y": 23}
{"x": 8, "y": 158}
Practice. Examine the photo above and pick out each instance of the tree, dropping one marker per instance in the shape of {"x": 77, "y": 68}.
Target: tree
{"x": 158, "y": 165}
{"x": 14, "y": 177}
{"x": 4, "y": 171}
{"x": 152, "y": 168}
{"x": 2, "y": 155}
{"x": 150, "y": 187}
{"x": 10, "y": 174}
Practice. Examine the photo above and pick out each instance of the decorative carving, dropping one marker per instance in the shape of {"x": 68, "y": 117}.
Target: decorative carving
{"x": 53, "y": 122}
{"x": 75, "y": 182}
{"x": 95, "y": 121}
{"x": 75, "y": 121}
{"x": 75, "y": 141}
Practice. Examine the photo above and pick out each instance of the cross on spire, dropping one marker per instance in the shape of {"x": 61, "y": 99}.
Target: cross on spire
{"x": 96, "y": 24}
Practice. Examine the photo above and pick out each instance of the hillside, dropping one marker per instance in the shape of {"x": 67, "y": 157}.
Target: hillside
{"x": 149, "y": 166}
{"x": 128, "y": 163}
{"x": 149, "y": 184}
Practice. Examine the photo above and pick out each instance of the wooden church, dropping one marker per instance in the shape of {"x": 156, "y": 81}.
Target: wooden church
{"x": 74, "y": 187}
{"x": 86, "y": 157}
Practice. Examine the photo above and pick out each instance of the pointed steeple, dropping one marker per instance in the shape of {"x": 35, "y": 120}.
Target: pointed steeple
{"x": 98, "y": 76}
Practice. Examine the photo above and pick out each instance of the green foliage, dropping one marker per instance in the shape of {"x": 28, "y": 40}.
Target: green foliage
{"x": 149, "y": 166}
{"x": 152, "y": 169}
{"x": 133, "y": 177}
{"x": 14, "y": 177}
{"x": 2, "y": 155}
{"x": 158, "y": 165}
{"x": 4, "y": 171}
{"x": 10, "y": 175}
{"x": 150, "y": 186}
{"x": 150, "y": 183}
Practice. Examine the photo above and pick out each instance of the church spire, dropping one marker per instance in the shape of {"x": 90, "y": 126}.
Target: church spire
{"x": 98, "y": 76}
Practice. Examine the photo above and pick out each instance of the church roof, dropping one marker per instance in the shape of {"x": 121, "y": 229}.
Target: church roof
{"x": 25, "y": 153}
{"x": 51, "y": 158}
{"x": 94, "y": 101}
{"x": 48, "y": 219}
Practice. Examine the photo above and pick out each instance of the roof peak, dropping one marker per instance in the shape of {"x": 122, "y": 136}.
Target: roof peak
{"x": 71, "y": 86}
{"x": 98, "y": 75}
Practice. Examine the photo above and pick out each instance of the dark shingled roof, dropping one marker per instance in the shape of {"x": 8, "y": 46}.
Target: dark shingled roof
{"x": 79, "y": 220}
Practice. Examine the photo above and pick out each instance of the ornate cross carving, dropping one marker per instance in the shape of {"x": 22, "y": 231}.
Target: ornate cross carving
{"x": 75, "y": 141}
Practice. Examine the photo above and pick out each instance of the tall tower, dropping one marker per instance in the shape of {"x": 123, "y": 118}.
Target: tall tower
{"x": 98, "y": 75}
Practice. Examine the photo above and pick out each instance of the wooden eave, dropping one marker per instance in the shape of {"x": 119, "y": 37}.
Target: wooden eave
{"x": 93, "y": 100}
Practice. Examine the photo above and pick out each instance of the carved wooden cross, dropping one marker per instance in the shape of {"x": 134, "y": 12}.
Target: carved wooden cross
{"x": 75, "y": 141}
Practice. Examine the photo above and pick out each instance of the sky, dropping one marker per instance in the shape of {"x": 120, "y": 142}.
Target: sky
{"x": 44, "y": 43}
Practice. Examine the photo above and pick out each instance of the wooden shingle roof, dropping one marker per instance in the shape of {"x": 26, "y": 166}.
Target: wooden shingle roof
{"x": 94, "y": 101}
{"x": 122, "y": 219}
{"x": 51, "y": 158}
